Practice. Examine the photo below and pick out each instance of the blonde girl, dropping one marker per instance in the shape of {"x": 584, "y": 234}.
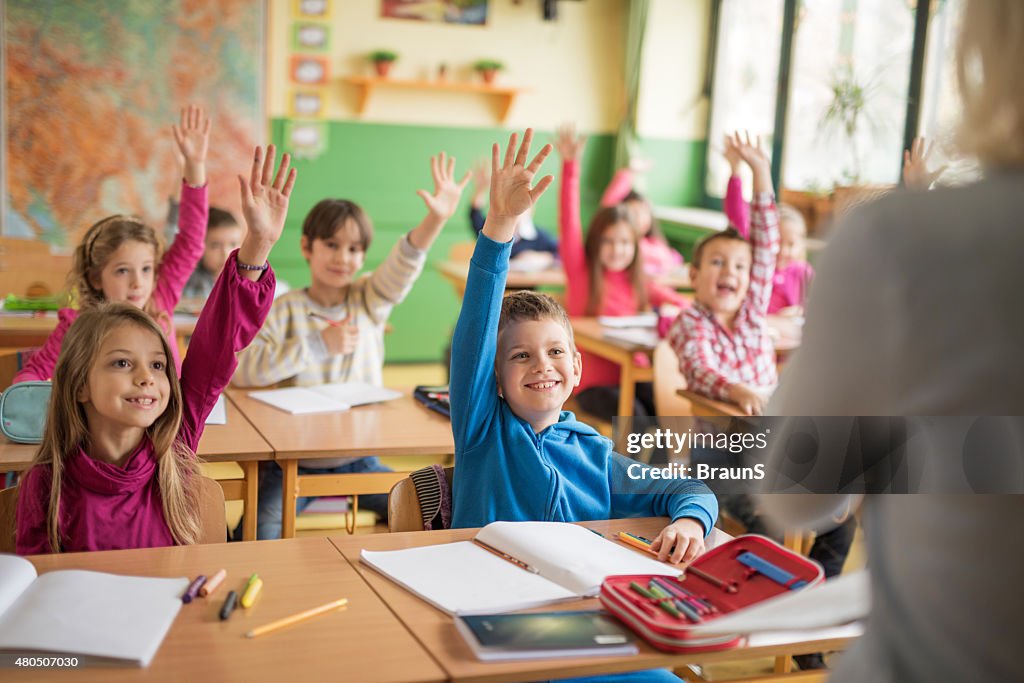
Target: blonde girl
{"x": 117, "y": 465}
{"x": 120, "y": 259}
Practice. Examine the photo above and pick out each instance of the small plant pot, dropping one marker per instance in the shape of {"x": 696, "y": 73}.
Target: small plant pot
{"x": 489, "y": 75}
{"x": 383, "y": 68}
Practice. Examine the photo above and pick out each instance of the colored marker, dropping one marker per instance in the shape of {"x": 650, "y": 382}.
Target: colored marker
{"x": 332, "y": 323}
{"x": 212, "y": 583}
{"x": 193, "y": 589}
{"x": 680, "y": 606}
{"x": 727, "y": 586}
{"x": 251, "y": 591}
{"x": 506, "y": 556}
{"x": 664, "y": 603}
{"x": 229, "y": 605}
{"x": 634, "y": 540}
{"x": 594, "y": 531}
{"x": 680, "y": 595}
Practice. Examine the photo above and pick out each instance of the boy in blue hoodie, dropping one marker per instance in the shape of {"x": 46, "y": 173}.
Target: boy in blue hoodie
{"x": 514, "y": 363}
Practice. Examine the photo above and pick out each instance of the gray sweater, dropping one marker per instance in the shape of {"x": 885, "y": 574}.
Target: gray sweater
{"x": 916, "y": 310}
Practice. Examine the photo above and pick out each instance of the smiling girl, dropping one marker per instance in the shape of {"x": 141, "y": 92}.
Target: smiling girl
{"x": 117, "y": 466}
{"x": 604, "y": 276}
{"x": 119, "y": 259}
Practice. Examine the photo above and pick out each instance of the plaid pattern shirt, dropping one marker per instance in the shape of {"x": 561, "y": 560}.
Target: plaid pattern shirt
{"x": 710, "y": 356}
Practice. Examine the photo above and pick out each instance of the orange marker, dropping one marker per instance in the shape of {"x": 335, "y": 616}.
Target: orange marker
{"x": 212, "y": 583}
{"x": 635, "y": 541}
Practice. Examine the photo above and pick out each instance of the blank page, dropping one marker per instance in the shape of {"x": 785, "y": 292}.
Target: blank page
{"x": 463, "y": 578}
{"x": 93, "y": 614}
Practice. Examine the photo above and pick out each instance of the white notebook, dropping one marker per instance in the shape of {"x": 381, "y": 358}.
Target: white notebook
{"x": 326, "y": 398}
{"x": 621, "y": 321}
{"x": 104, "y": 617}
{"x": 464, "y": 578}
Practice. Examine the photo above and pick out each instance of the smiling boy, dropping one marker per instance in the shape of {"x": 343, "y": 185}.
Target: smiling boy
{"x": 722, "y": 342}
{"x": 518, "y": 455}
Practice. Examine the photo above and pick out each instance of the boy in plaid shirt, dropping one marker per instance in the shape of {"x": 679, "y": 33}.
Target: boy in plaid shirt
{"x": 724, "y": 350}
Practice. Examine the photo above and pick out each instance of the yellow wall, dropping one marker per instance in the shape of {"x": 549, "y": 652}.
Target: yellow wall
{"x": 675, "y": 54}
{"x": 571, "y": 66}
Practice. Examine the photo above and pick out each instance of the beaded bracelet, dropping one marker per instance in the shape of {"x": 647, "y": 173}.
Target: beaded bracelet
{"x": 246, "y": 266}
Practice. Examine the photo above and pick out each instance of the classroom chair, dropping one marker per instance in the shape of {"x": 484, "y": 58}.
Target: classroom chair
{"x": 668, "y": 381}
{"x": 214, "y": 527}
{"x": 421, "y": 501}
{"x": 8, "y": 504}
{"x": 702, "y": 406}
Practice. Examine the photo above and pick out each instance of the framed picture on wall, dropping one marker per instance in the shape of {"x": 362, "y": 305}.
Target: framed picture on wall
{"x": 309, "y": 69}
{"x": 306, "y": 139}
{"x": 311, "y": 9}
{"x": 308, "y": 104}
{"x": 471, "y": 12}
{"x": 308, "y": 37}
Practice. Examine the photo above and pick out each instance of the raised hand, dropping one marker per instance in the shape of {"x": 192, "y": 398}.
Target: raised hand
{"x": 915, "y": 165}
{"x": 447, "y": 192}
{"x": 750, "y": 151}
{"x": 264, "y": 204}
{"x": 481, "y": 179}
{"x": 731, "y": 154}
{"x": 568, "y": 142}
{"x": 511, "y": 191}
{"x": 193, "y": 138}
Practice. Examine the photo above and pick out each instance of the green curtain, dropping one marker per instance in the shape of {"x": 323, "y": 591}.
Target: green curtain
{"x": 636, "y": 27}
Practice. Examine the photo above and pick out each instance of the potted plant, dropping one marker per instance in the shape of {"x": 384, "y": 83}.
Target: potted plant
{"x": 488, "y": 69}
{"x": 382, "y": 61}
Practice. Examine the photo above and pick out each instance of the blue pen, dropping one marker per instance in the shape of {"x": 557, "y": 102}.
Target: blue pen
{"x": 776, "y": 574}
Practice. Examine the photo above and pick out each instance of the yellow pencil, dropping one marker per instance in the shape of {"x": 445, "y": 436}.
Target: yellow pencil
{"x": 295, "y": 618}
{"x": 251, "y": 591}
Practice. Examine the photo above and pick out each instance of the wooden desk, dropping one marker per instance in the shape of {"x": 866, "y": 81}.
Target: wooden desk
{"x": 364, "y": 642}
{"x": 590, "y": 337}
{"x": 399, "y": 427}
{"x": 456, "y": 272}
{"x": 26, "y": 331}
{"x": 237, "y": 440}
{"x": 436, "y": 632}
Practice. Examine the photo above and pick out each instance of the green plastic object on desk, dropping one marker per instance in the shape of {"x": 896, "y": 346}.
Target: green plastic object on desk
{"x": 31, "y": 303}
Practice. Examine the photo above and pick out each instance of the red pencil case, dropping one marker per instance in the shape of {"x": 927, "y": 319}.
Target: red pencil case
{"x": 743, "y": 572}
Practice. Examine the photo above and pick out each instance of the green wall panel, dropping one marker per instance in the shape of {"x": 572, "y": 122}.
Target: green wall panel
{"x": 380, "y": 167}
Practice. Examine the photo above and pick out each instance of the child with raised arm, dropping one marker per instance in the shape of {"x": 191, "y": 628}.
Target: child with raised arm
{"x": 120, "y": 259}
{"x": 793, "y": 274}
{"x": 531, "y": 243}
{"x": 117, "y": 465}
{"x": 333, "y": 330}
{"x": 604, "y": 277}
{"x": 514, "y": 363}
{"x": 724, "y": 349}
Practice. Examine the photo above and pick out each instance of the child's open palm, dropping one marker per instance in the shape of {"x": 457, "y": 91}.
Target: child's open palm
{"x": 511, "y": 191}
{"x": 193, "y": 135}
{"x": 447, "y": 191}
{"x": 568, "y": 142}
{"x": 731, "y": 153}
{"x": 915, "y": 165}
{"x": 750, "y": 151}
{"x": 265, "y": 203}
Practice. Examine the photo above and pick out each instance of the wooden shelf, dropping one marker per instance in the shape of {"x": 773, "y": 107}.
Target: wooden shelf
{"x": 367, "y": 84}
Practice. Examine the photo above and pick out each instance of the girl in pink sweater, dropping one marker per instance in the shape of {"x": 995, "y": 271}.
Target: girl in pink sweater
{"x": 119, "y": 259}
{"x": 657, "y": 255}
{"x": 793, "y": 273}
{"x": 117, "y": 465}
{"x": 604, "y": 276}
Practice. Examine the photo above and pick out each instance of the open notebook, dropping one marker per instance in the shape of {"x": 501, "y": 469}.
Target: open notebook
{"x": 566, "y": 562}
{"x": 326, "y": 398}
{"x": 102, "y": 617}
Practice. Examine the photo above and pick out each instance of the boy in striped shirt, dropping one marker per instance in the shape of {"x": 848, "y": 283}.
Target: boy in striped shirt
{"x": 722, "y": 342}
{"x": 333, "y": 330}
